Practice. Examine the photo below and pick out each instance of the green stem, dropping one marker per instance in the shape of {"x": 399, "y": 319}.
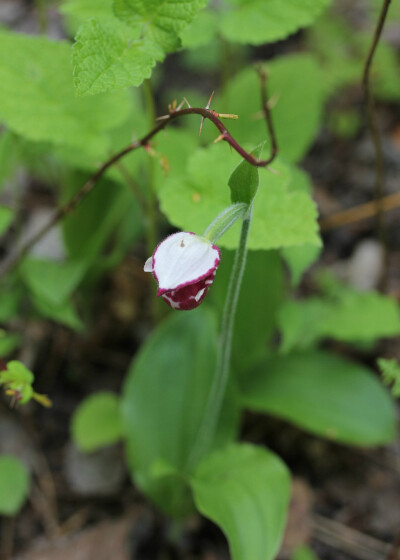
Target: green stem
{"x": 221, "y": 377}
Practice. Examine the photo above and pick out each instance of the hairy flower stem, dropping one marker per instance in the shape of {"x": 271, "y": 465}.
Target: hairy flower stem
{"x": 221, "y": 377}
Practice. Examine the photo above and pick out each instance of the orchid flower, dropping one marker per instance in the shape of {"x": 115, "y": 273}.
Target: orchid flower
{"x": 184, "y": 265}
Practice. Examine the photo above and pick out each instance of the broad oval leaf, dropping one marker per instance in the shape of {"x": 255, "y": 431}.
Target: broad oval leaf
{"x": 245, "y": 490}
{"x": 266, "y": 21}
{"x": 52, "y": 281}
{"x": 97, "y": 421}
{"x": 323, "y": 394}
{"x": 14, "y": 485}
{"x": 164, "y": 401}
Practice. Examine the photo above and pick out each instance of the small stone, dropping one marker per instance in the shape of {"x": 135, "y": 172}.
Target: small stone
{"x": 14, "y": 440}
{"x": 365, "y": 266}
{"x": 51, "y": 245}
{"x": 11, "y": 11}
{"x": 99, "y": 473}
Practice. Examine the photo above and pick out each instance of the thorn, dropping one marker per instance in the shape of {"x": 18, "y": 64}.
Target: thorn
{"x": 206, "y": 107}
{"x": 273, "y": 100}
{"x": 220, "y": 137}
{"x": 201, "y": 125}
{"x": 162, "y": 118}
{"x": 164, "y": 162}
{"x": 209, "y": 101}
{"x": 172, "y": 106}
{"x": 258, "y": 115}
{"x": 274, "y": 171}
{"x": 187, "y": 102}
{"x": 149, "y": 150}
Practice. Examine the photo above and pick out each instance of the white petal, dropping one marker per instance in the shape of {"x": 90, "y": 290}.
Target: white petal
{"x": 183, "y": 258}
{"x": 148, "y": 265}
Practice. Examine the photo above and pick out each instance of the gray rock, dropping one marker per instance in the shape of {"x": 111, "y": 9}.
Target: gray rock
{"x": 365, "y": 266}
{"x": 98, "y": 473}
{"x": 14, "y": 440}
{"x": 11, "y": 11}
{"x": 51, "y": 245}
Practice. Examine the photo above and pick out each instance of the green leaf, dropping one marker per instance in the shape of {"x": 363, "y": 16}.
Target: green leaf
{"x": 6, "y": 217}
{"x": 161, "y": 21}
{"x": 78, "y": 11}
{"x": 8, "y": 156}
{"x": 201, "y": 31}
{"x": 108, "y": 55}
{"x": 8, "y": 343}
{"x": 281, "y": 216}
{"x": 174, "y": 147}
{"x": 64, "y": 313}
{"x": 14, "y": 485}
{"x": 299, "y": 259}
{"x": 163, "y": 404}
{"x": 98, "y": 217}
{"x": 46, "y": 108}
{"x": 97, "y": 422}
{"x": 350, "y": 317}
{"x": 52, "y": 281}
{"x": 267, "y": 21}
{"x": 245, "y": 490}
{"x": 10, "y": 297}
{"x": 244, "y": 181}
{"x": 390, "y": 370}
{"x": 295, "y": 88}
{"x": 324, "y": 394}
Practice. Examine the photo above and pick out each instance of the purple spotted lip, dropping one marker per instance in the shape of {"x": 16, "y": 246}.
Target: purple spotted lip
{"x": 184, "y": 265}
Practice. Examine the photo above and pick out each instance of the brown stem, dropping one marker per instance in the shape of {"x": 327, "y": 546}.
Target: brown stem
{"x": 7, "y": 538}
{"x": 10, "y": 263}
{"x": 373, "y": 125}
{"x": 267, "y": 113}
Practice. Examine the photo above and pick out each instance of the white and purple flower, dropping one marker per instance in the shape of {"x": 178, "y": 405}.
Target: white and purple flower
{"x": 184, "y": 265}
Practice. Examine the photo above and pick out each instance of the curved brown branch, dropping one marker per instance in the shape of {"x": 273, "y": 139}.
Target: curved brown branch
{"x": 10, "y": 263}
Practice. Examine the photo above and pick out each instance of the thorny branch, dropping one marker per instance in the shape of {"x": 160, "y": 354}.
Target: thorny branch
{"x": 207, "y": 113}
